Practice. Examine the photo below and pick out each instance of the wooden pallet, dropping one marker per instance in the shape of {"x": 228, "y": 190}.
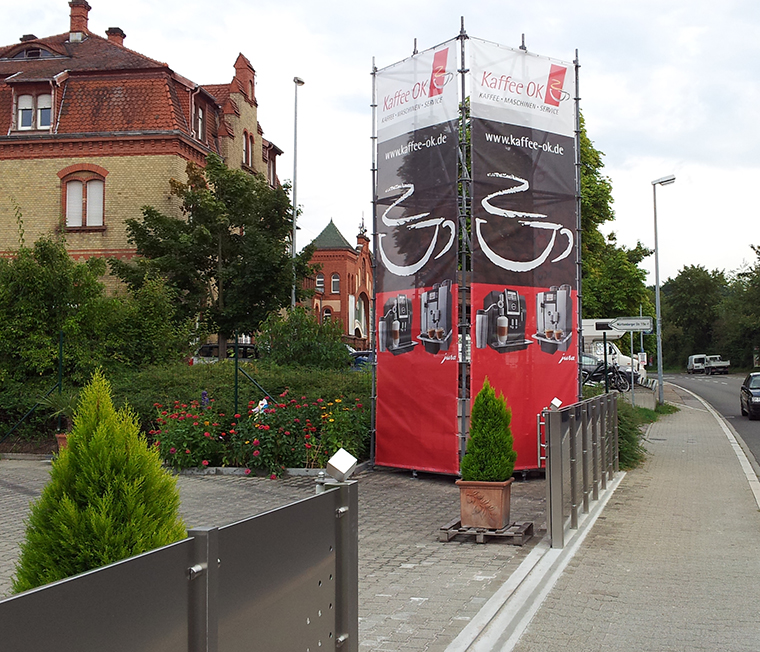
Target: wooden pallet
{"x": 517, "y": 533}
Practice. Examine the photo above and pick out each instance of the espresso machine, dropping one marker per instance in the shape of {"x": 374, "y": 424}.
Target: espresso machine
{"x": 435, "y": 318}
{"x": 554, "y": 318}
{"x": 501, "y": 322}
{"x": 394, "y": 328}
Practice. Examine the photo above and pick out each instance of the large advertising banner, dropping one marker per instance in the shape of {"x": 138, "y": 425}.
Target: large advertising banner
{"x": 416, "y": 251}
{"x": 523, "y": 292}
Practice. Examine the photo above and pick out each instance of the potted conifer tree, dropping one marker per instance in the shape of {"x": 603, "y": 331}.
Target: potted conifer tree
{"x": 488, "y": 464}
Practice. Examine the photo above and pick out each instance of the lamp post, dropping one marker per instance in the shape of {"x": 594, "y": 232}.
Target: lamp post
{"x": 663, "y": 181}
{"x": 298, "y": 82}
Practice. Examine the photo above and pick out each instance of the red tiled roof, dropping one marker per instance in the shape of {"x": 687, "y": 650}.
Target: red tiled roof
{"x": 114, "y": 104}
{"x": 92, "y": 54}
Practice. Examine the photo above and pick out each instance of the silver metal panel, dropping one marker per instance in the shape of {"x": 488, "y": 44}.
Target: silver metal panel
{"x": 582, "y": 449}
{"x": 136, "y": 604}
{"x": 277, "y": 579}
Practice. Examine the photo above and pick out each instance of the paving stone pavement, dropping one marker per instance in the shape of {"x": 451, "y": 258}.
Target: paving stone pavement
{"x": 673, "y": 563}
{"x": 415, "y": 593}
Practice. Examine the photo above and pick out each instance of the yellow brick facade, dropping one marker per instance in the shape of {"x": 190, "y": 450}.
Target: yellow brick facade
{"x": 132, "y": 182}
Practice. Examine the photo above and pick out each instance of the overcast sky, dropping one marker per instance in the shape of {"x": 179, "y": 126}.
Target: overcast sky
{"x": 666, "y": 88}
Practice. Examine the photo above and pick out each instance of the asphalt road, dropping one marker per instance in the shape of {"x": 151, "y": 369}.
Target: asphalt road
{"x": 722, "y": 392}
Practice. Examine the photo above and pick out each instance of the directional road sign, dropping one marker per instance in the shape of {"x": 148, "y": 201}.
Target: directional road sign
{"x": 638, "y": 324}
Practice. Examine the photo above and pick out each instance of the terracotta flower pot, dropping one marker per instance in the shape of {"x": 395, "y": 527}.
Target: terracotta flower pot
{"x": 485, "y": 504}
{"x": 61, "y": 438}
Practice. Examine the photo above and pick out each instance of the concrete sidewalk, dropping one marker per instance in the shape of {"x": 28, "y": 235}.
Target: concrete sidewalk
{"x": 671, "y": 562}
{"x": 674, "y": 561}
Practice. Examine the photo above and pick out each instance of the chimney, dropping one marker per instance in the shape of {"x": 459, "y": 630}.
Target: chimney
{"x": 79, "y": 13}
{"x": 116, "y": 35}
{"x": 28, "y": 37}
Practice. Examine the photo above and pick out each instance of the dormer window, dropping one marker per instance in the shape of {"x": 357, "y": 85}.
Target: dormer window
{"x": 34, "y": 112}
{"x": 33, "y": 53}
{"x": 200, "y": 123}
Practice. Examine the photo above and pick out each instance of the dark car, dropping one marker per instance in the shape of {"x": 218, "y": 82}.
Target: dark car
{"x": 749, "y": 398}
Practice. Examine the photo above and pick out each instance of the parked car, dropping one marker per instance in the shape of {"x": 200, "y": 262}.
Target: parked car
{"x": 589, "y": 364}
{"x": 358, "y": 358}
{"x": 749, "y": 399}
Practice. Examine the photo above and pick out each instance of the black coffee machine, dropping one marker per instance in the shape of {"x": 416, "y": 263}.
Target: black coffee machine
{"x": 435, "y": 318}
{"x": 394, "y": 328}
{"x": 501, "y": 322}
{"x": 554, "y": 318}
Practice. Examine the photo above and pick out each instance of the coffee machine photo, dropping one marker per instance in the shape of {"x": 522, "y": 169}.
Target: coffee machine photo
{"x": 394, "y": 328}
{"x": 501, "y": 322}
{"x": 435, "y": 318}
{"x": 554, "y": 318}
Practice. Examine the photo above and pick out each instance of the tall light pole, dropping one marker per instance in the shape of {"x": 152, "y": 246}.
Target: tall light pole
{"x": 664, "y": 181}
{"x": 298, "y": 82}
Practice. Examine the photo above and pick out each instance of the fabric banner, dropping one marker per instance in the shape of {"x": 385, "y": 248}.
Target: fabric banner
{"x": 415, "y": 279}
{"x": 523, "y": 293}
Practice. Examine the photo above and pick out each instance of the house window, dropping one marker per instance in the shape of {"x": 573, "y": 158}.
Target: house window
{"x": 320, "y": 283}
{"x": 326, "y": 315}
{"x": 250, "y": 149}
{"x": 34, "y": 112}
{"x": 246, "y": 150}
{"x": 200, "y": 123}
{"x": 335, "y": 284}
{"x": 84, "y": 201}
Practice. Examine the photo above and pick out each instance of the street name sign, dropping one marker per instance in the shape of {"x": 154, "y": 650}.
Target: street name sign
{"x": 637, "y": 324}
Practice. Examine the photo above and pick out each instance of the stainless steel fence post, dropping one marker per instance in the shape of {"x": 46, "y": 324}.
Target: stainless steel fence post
{"x": 616, "y": 447}
{"x": 595, "y": 464}
{"x": 603, "y": 443}
{"x": 586, "y": 455}
{"x": 347, "y": 565}
{"x": 555, "y": 521}
{"x": 573, "y": 436}
{"x": 203, "y": 576}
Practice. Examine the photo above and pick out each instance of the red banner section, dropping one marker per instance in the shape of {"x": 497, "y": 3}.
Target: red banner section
{"x": 417, "y": 376}
{"x": 416, "y": 294}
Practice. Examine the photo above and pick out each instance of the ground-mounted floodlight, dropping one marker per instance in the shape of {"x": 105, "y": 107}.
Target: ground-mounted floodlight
{"x": 341, "y": 465}
{"x": 556, "y": 404}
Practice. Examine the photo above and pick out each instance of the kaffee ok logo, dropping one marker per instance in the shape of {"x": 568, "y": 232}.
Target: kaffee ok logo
{"x": 426, "y": 88}
{"x": 550, "y": 93}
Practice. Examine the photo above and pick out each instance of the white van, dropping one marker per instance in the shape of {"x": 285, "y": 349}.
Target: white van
{"x": 696, "y": 364}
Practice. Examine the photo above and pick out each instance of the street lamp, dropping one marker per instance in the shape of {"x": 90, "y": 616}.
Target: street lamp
{"x": 298, "y": 82}
{"x": 664, "y": 181}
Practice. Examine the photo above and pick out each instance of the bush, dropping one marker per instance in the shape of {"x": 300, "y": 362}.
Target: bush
{"x": 631, "y": 451}
{"x": 490, "y": 455}
{"x": 108, "y": 497}
{"x": 297, "y": 338}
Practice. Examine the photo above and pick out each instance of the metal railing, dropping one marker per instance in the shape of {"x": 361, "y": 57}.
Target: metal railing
{"x": 283, "y": 580}
{"x": 581, "y": 458}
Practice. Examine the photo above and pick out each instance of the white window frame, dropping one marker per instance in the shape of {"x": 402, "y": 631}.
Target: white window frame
{"x": 320, "y": 282}
{"x": 85, "y": 202}
{"x": 335, "y": 283}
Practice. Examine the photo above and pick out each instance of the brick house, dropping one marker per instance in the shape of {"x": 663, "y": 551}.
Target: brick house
{"x": 344, "y": 283}
{"x": 91, "y": 131}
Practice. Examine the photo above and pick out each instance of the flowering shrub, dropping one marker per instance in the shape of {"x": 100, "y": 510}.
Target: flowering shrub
{"x": 192, "y": 435}
{"x": 289, "y": 433}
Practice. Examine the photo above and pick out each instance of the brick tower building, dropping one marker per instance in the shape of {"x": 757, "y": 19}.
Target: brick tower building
{"x": 344, "y": 283}
{"x": 91, "y": 131}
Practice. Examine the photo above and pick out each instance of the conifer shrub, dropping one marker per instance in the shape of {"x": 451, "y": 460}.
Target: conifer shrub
{"x": 108, "y": 497}
{"x": 490, "y": 455}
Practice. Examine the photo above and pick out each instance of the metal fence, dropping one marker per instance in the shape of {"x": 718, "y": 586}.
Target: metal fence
{"x": 282, "y": 580}
{"x": 581, "y": 458}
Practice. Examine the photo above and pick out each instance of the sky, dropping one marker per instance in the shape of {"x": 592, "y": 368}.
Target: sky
{"x": 666, "y": 88}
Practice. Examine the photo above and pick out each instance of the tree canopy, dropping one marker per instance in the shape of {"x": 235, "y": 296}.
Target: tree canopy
{"x": 613, "y": 283}
{"x": 228, "y": 258}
